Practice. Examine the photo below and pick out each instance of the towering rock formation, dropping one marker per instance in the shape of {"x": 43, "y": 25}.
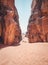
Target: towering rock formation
{"x": 38, "y": 22}
{"x": 10, "y": 31}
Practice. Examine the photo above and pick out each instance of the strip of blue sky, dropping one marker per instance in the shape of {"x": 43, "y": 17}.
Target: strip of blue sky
{"x": 24, "y": 10}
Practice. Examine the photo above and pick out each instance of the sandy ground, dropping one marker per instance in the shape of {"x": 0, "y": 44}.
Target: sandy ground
{"x": 24, "y": 54}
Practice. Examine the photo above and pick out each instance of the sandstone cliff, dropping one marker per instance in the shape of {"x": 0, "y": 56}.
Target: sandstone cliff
{"x": 10, "y": 31}
{"x": 38, "y": 22}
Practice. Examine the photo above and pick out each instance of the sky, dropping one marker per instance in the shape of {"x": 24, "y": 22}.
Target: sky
{"x": 24, "y": 11}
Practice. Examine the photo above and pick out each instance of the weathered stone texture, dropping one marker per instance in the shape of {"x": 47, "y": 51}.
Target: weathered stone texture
{"x": 38, "y": 22}
{"x": 10, "y": 31}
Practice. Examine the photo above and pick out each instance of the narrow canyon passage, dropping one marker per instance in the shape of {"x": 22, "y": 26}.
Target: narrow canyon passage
{"x": 24, "y": 53}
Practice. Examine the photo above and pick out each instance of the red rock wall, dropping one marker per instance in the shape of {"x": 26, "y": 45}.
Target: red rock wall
{"x": 10, "y": 31}
{"x": 38, "y": 22}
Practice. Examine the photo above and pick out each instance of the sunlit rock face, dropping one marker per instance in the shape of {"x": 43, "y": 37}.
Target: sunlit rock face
{"x": 10, "y": 31}
{"x": 38, "y": 21}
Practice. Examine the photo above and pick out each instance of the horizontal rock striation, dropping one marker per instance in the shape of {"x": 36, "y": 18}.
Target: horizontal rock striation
{"x": 10, "y": 31}
{"x": 38, "y": 21}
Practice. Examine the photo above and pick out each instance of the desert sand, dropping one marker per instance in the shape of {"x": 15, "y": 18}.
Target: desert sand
{"x": 24, "y": 54}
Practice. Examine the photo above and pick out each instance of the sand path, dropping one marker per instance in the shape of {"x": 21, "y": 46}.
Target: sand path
{"x": 25, "y": 54}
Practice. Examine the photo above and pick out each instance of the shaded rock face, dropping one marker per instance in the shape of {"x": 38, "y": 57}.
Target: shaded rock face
{"x": 38, "y": 22}
{"x": 10, "y": 31}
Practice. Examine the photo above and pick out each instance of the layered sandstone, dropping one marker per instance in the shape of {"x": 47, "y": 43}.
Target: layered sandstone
{"x": 10, "y": 31}
{"x": 38, "y": 22}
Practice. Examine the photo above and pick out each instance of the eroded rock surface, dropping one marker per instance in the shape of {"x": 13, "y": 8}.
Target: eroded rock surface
{"x": 10, "y": 31}
{"x": 38, "y": 22}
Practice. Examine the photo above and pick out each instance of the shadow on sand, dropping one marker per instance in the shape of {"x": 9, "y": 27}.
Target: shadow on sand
{"x": 3, "y": 46}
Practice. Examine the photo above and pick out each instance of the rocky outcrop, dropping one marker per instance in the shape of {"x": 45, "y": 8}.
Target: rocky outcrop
{"x": 38, "y": 22}
{"x": 10, "y": 31}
